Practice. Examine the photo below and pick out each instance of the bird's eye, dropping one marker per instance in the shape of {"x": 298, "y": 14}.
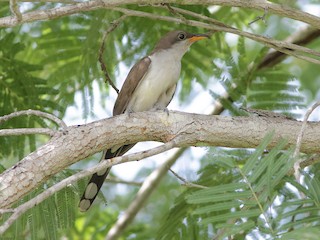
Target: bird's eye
{"x": 182, "y": 36}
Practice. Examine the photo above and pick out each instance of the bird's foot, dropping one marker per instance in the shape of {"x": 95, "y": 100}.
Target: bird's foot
{"x": 160, "y": 108}
{"x": 128, "y": 112}
{"x": 166, "y": 110}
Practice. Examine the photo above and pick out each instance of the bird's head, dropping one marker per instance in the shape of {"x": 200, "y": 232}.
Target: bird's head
{"x": 179, "y": 41}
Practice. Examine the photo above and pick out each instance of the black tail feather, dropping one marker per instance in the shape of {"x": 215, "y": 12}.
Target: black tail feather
{"x": 95, "y": 183}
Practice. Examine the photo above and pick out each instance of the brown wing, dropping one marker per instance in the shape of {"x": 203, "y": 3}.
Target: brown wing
{"x": 132, "y": 81}
{"x": 135, "y": 75}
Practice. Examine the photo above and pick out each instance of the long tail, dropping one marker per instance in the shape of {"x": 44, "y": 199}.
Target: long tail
{"x": 97, "y": 179}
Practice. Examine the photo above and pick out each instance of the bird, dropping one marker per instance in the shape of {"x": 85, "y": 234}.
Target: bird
{"x": 149, "y": 86}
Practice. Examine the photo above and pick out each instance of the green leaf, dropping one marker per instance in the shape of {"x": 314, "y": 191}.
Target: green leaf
{"x": 309, "y": 233}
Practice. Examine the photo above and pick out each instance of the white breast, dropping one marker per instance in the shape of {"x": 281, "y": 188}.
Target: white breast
{"x": 157, "y": 87}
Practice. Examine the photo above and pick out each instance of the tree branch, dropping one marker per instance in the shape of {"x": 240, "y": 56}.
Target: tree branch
{"x": 301, "y": 38}
{"x": 148, "y": 186}
{"x": 284, "y": 47}
{"x": 273, "y": 8}
{"x": 117, "y": 180}
{"x": 113, "y": 26}
{"x": 26, "y": 131}
{"x": 48, "y": 1}
{"x": 185, "y": 182}
{"x": 78, "y": 142}
{"x": 287, "y": 48}
{"x": 299, "y": 140}
{"x": 49, "y": 116}
{"x": 17, "y": 212}
{"x": 15, "y": 10}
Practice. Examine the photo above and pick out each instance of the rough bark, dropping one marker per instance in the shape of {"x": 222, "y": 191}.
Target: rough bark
{"x": 78, "y": 142}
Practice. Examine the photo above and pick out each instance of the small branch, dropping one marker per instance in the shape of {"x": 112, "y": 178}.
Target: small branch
{"x": 177, "y": 10}
{"x": 301, "y": 38}
{"x": 111, "y": 5}
{"x": 305, "y": 162}
{"x": 223, "y": 27}
{"x": 262, "y": 18}
{"x": 287, "y": 48}
{"x": 299, "y": 140}
{"x": 113, "y": 26}
{"x": 15, "y": 10}
{"x": 49, "y": 1}
{"x": 315, "y": 158}
{"x": 49, "y": 116}
{"x": 186, "y": 183}
{"x": 74, "y": 178}
{"x": 149, "y": 185}
{"x": 78, "y": 142}
{"x": 117, "y": 180}
{"x": 273, "y": 8}
{"x": 3, "y": 211}
{"x": 174, "y": 12}
{"x": 26, "y": 131}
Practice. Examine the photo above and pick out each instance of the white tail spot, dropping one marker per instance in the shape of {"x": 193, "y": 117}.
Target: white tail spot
{"x": 91, "y": 190}
{"x": 84, "y": 205}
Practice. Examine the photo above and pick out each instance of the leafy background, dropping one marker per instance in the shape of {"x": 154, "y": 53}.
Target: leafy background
{"x": 238, "y": 193}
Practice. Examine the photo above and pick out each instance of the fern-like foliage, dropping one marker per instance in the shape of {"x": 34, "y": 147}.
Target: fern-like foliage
{"x": 274, "y": 90}
{"x": 248, "y": 196}
{"x": 251, "y": 86}
{"x": 49, "y": 218}
{"x": 21, "y": 89}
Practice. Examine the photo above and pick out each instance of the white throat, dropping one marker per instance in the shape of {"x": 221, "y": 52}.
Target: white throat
{"x": 176, "y": 51}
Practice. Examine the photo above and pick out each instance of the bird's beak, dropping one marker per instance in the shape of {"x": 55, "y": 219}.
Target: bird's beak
{"x": 197, "y": 37}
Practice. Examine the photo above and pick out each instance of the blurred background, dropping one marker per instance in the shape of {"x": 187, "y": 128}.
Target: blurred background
{"x": 53, "y": 66}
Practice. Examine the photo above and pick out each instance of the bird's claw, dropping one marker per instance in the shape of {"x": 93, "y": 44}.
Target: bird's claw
{"x": 166, "y": 111}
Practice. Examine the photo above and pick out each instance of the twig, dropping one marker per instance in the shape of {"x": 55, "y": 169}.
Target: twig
{"x": 301, "y": 38}
{"x": 15, "y": 10}
{"x": 287, "y": 48}
{"x": 117, "y": 180}
{"x": 49, "y": 1}
{"x": 174, "y": 12}
{"x": 299, "y": 140}
{"x": 305, "y": 162}
{"x": 219, "y": 26}
{"x": 186, "y": 183}
{"x": 195, "y": 15}
{"x": 26, "y": 131}
{"x": 36, "y": 113}
{"x": 273, "y": 8}
{"x": 113, "y": 26}
{"x": 148, "y": 186}
{"x": 262, "y": 18}
{"x": 278, "y": 45}
{"x": 226, "y": 28}
{"x": 3, "y": 211}
{"x": 74, "y": 178}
